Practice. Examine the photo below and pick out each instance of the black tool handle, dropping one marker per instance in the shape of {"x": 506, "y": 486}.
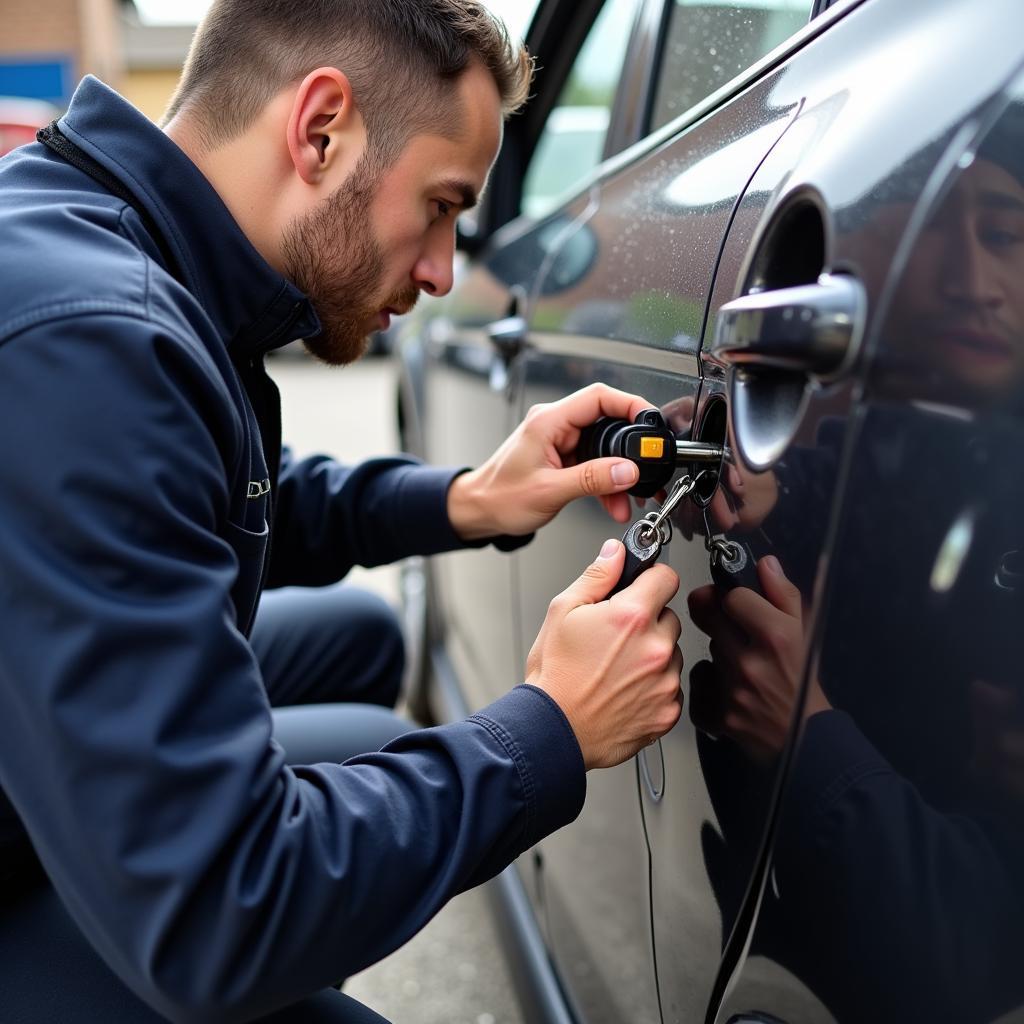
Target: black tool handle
{"x": 739, "y": 571}
{"x": 639, "y": 555}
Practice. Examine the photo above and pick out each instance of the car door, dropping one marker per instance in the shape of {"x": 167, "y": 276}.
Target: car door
{"x": 896, "y": 882}
{"x": 623, "y": 301}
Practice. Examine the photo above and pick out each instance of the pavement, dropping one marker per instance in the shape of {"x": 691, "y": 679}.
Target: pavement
{"x": 452, "y": 971}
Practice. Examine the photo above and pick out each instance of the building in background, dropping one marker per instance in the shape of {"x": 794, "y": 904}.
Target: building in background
{"x": 46, "y": 47}
{"x": 153, "y": 56}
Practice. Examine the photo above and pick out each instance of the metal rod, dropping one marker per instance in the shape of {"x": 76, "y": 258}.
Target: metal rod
{"x": 700, "y": 451}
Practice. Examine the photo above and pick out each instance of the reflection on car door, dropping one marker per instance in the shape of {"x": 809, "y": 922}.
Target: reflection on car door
{"x": 896, "y": 890}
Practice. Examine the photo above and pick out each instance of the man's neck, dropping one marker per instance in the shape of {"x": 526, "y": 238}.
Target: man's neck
{"x": 239, "y": 172}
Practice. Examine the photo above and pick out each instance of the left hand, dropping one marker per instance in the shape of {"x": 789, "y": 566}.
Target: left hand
{"x": 528, "y": 480}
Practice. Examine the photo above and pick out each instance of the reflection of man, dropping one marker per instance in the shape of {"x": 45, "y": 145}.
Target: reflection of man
{"x": 961, "y": 293}
{"x": 306, "y": 185}
{"x": 897, "y": 888}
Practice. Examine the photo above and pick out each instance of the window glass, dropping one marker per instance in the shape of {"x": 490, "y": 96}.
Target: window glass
{"x": 516, "y": 14}
{"x": 710, "y": 42}
{"x": 572, "y": 141}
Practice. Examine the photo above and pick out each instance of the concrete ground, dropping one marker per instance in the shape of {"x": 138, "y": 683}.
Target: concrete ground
{"x": 452, "y": 972}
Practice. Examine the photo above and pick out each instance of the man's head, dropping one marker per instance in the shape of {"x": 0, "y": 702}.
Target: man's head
{"x": 962, "y": 298}
{"x": 345, "y": 136}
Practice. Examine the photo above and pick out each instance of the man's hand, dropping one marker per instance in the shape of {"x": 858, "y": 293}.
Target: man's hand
{"x": 748, "y": 691}
{"x": 612, "y": 665}
{"x": 528, "y": 480}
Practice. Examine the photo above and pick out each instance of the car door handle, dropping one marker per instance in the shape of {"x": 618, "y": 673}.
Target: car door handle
{"x": 811, "y": 329}
{"x": 508, "y": 336}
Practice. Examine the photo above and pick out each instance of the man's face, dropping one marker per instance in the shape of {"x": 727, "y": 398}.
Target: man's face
{"x": 963, "y": 293}
{"x": 366, "y": 252}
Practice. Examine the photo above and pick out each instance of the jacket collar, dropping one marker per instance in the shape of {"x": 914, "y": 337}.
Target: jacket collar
{"x": 253, "y": 307}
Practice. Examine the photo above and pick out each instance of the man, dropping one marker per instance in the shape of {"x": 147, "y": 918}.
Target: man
{"x": 306, "y": 185}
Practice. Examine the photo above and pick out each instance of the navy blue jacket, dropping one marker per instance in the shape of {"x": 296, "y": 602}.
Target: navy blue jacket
{"x": 135, "y": 734}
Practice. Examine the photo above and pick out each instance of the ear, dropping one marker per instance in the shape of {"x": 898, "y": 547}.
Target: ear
{"x": 322, "y": 123}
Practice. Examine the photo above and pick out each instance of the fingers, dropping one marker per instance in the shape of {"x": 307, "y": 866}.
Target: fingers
{"x": 595, "y": 477}
{"x": 652, "y": 589}
{"x": 669, "y": 624}
{"x": 582, "y": 408}
{"x": 597, "y": 580}
{"x": 618, "y": 507}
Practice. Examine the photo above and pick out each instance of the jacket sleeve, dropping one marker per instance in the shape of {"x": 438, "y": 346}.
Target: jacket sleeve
{"x": 135, "y": 738}
{"x": 921, "y": 907}
{"x": 329, "y": 517}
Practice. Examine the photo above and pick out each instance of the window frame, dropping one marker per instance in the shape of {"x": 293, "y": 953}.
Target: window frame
{"x": 556, "y": 35}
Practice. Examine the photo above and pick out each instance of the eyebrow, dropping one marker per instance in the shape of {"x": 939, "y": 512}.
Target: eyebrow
{"x": 466, "y": 192}
{"x": 1000, "y": 201}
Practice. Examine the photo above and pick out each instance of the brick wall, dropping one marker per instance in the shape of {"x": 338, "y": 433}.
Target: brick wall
{"x": 86, "y": 31}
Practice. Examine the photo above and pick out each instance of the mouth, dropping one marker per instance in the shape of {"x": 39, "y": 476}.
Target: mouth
{"x": 979, "y": 344}
{"x": 385, "y": 315}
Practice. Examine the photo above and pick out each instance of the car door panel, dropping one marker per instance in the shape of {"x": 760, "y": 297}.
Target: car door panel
{"x": 896, "y": 886}
{"x": 813, "y": 206}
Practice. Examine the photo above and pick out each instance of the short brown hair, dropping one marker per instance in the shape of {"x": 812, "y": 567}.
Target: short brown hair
{"x": 402, "y": 57}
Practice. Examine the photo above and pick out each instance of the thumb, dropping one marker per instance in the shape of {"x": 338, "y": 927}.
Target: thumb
{"x": 594, "y": 477}
{"x": 599, "y": 577}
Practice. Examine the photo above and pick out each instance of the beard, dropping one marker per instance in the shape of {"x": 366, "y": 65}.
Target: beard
{"x": 332, "y": 254}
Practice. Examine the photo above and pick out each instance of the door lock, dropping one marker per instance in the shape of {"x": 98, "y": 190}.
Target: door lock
{"x": 650, "y": 445}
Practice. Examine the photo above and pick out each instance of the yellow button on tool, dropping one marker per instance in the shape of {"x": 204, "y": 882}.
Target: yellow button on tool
{"x": 652, "y": 447}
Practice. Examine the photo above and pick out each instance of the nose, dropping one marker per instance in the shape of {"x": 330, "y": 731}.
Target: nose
{"x": 969, "y": 276}
{"x": 434, "y": 270}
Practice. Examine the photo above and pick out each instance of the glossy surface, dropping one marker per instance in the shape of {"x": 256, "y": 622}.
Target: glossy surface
{"x": 869, "y": 867}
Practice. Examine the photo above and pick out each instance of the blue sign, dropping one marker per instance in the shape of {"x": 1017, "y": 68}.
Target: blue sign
{"x": 48, "y": 79}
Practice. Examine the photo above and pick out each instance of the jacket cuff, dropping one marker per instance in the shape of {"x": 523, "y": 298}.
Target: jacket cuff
{"x": 537, "y": 736}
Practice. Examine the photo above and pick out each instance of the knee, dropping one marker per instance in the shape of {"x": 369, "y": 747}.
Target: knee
{"x": 381, "y": 632}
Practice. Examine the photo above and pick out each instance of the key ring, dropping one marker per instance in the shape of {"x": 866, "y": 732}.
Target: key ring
{"x": 663, "y": 531}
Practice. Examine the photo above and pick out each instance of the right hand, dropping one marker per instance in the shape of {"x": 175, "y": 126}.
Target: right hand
{"x": 612, "y": 666}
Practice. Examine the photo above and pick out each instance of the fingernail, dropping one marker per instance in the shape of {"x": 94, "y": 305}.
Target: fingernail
{"x": 623, "y": 473}
{"x": 609, "y": 548}
{"x": 773, "y": 564}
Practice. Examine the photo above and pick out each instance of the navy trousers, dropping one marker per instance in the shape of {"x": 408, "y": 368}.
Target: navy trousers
{"x": 332, "y": 660}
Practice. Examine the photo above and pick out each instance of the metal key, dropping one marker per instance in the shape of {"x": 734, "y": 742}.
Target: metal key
{"x": 682, "y": 487}
{"x": 646, "y": 537}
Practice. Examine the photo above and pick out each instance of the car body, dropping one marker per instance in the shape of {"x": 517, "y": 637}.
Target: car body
{"x": 803, "y": 240}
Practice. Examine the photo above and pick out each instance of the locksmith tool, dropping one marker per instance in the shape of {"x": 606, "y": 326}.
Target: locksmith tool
{"x": 650, "y": 445}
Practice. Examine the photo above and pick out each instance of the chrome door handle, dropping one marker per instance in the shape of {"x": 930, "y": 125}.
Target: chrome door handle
{"x": 508, "y": 336}
{"x": 811, "y": 329}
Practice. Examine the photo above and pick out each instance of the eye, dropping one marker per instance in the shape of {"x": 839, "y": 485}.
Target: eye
{"x": 1001, "y": 234}
{"x": 443, "y": 208}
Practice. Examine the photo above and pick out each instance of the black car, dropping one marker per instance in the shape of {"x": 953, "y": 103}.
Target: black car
{"x": 797, "y": 228}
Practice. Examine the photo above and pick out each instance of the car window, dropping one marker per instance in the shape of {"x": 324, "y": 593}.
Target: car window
{"x": 710, "y": 42}
{"x": 571, "y": 143}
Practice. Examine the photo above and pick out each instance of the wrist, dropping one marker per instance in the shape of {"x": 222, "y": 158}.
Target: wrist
{"x": 467, "y": 508}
